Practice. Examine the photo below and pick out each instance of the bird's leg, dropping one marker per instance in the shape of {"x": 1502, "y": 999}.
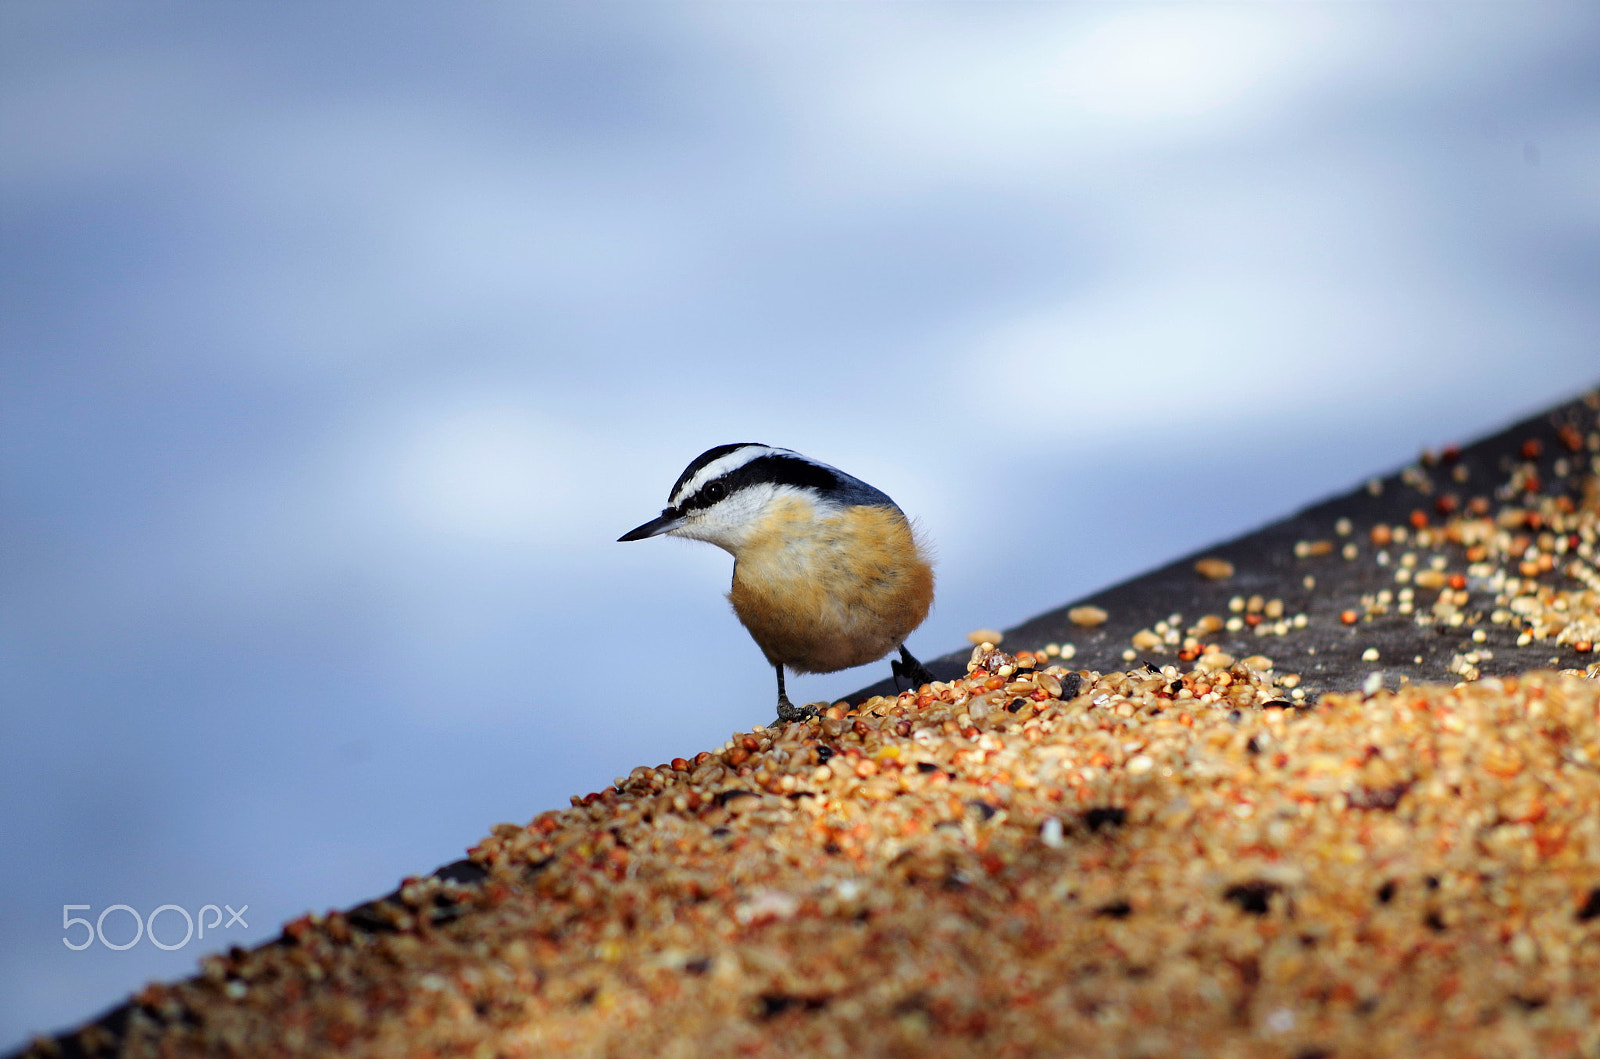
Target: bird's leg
{"x": 788, "y": 711}
{"x": 911, "y": 669}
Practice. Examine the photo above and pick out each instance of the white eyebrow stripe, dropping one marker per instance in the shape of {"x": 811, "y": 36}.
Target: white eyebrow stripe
{"x": 719, "y": 467}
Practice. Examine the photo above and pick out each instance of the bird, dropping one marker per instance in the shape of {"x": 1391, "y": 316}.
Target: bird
{"x": 828, "y": 572}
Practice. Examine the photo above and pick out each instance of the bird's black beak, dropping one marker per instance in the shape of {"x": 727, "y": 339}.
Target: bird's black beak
{"x": 655, "y": 527}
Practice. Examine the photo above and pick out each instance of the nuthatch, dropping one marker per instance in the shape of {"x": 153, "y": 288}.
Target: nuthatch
{"x": 827, "y": 571}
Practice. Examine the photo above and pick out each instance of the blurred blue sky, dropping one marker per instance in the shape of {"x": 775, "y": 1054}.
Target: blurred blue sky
{"x": 338, "y": 343}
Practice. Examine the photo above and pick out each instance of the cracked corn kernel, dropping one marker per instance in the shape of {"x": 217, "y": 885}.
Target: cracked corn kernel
{"x": 1145, "y": 640}
{"x": 1087, "y": 616}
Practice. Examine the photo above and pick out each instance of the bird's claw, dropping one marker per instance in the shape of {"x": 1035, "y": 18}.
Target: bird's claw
{"x": 788, "y": 712}
{"x": 913, "y": 671}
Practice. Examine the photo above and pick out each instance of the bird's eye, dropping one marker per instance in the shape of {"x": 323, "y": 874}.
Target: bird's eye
{"x": 714, "y": 491}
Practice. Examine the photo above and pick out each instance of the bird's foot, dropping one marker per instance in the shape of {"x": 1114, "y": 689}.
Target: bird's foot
{"x": 916, "y": 675}
{"x": 911, "y": 669}
{"x": 788, "y": 712}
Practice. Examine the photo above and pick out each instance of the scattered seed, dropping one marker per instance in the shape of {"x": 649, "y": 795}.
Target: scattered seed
{"x": 1087, "y": 616}
{"x": 1050, "y": 832}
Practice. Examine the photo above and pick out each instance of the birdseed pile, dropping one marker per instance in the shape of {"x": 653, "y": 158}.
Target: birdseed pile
{"x": 1026, "y": 861}
{"x": 1195, "y": 856}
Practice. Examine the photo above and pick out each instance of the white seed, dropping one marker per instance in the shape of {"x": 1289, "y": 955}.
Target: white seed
{"x": 1050, "y": 832}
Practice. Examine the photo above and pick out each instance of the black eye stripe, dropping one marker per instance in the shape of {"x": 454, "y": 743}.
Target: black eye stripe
{"x": 774, "y": 469}
{"x": 780, "y": 469}
{"x": 709, "y": 494}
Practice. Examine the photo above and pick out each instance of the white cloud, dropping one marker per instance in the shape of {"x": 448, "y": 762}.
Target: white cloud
{"x": 1170, "y": 354}
{"x": 482, "y": 469}
{"x": 1181, "y": 63}
{"x": 924, "y": 95}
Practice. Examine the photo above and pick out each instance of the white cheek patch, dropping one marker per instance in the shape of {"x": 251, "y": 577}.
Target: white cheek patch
{"x": 728, "y": 523}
